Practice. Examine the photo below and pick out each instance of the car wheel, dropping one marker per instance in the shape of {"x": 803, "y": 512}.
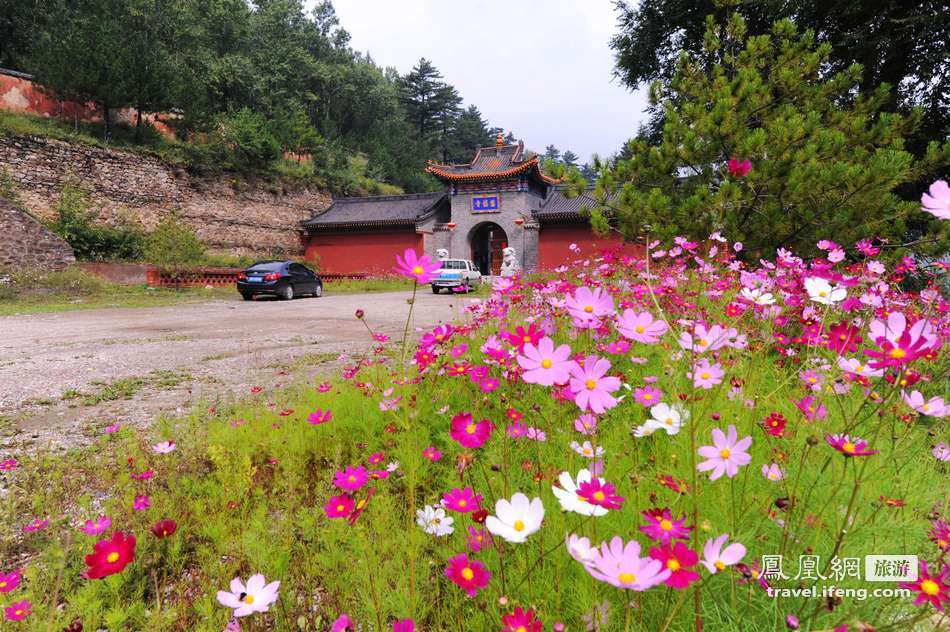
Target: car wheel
{"x": 318, "y": 290}
{"x": 246, "y": 296}
{"x": 435, "y": 290}
{"x": 287, "y": 293}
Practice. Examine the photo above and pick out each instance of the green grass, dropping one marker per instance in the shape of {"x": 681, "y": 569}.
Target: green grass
{"x": 128, "y": 387}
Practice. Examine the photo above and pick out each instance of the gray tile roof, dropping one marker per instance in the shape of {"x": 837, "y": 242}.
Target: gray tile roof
{"x": 381, "y": 210}
{"x": 560, "y": 207}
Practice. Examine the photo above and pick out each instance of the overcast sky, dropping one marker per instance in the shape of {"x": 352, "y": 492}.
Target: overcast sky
{"x": 540, "y": 69}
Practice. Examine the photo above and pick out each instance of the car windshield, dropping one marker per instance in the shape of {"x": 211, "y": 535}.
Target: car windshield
{"x": 453, "y": 265}
{"x": 273, "y": 266}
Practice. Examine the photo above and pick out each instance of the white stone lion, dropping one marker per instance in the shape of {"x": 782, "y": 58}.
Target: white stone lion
{"x": 509, "y": 263}
{"x": 442, "y": 253}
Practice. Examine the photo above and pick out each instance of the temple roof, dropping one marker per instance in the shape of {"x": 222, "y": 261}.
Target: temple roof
{"x": 380, "y": 210}
{"x": 499, "y": 162}
{"x": 558, "y": 207}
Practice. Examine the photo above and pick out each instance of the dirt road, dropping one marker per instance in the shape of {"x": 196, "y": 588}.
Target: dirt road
{"x": 63, "y": 375}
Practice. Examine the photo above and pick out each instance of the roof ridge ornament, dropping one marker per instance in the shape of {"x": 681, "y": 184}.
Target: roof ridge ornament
{"x": 499, "y": 140}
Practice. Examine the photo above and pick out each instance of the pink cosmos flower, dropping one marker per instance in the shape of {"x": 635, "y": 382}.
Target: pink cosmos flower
{"x": 339, "y": 506}
{"x": 620, "y": 565}
{"x": 9, "y": 581}
{"x": 677, "y": 559}
{"x": 704, "y": 338}
{"x": 662, "y": 527}
{"x": 739, "y": 168}
{"x": 812, "y": 379}
{"x": 726, "y": 455}
{"x": 478, "y": 539}
{"x": 773, "y": 472}
{"x": 469, "y": 575}
{"x": 343, "y": 623}
{"x": 849, "y": 446}
{"x": 469, "y": 433}
{"x": 811, "y": 408}
{"x": 421, "y": 269}
{"x": 937, "y": 200}
{"x": 586, "y": 424}
{"x": 591, "y": 387}
{"x": 516, "y": 430}
{"x": 141, "y": 503}
{"x": 351, "y": 479}
{"x": 164, "y": 447}
{"x": 706, "y": 375}
{"x": 522, "y": 336}
{"x": 895, "y": 354}
{"x": 461, "y": 500}
{"x": 432, "y": 454}
{"x": 489, "y": 384}
{"x": 641, "y": 327}
{"x": 587, "y": 305}
{"x": 18, "y": 610}
{"x": 459, "y": 350}
{"x": 521, "y": 621}
{"x": 97, "y": 526}
{"x": 113, "y": 428}
{"x": 648, "y": 395}
{"x": 933, "y": 407}
{"x": 544, "y": 364}
{"x": 717, "y": 558}
{"x": 599, "y": 493}
{"x": 319, "y": 417}
{"x": 36, "y": 525}
{"x": 7, "y": 465}
{"x": 404, "y": 625}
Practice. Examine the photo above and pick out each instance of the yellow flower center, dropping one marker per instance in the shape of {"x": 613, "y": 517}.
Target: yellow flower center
{"x": 599, "y": 496}
{"x": 586, "y": 451}
{"x": 18, "y": 612}
{"x": 823, "y": 293}
{"x": 666, "y": 525}
{"x": 546, "y": 364}
{"x": 351, "y": 478}
{"x": 112, "y": 558}
{"x": 3, "y": 584}
{"x": 627, "y": 578}
{"x": 719, "y": 565}
{"x": 668, "y": 421}
{"x": 588, "y": 308}
{"x": 639, "y": 329}
{"x": 590, "y": 384}
{"x": 705, "y": 375}
{"x": 724, "y": 454}
{"x": 470, "y": 429}
{"x": 898, "y": 353}
{"x": 248, "y": 599}
{"x": 848, "y": 447}
{"x": 673, "y": 565}
{"x": 521, "y": 628}
{"x": 518, "y": 526}
{"x": 417, "y": 270}
{"x": 812, "y": 380}
{"x": 858, "y": 368}
{"x": 527, "y": 338}
{"x": 925, "y": 407}
{"x": 340, "y": 507}
{"x": 929, "y": 587}
{"x": 647, "y": 396}
{"x": 462, "y": 503}
{"x": 703, "y": 342}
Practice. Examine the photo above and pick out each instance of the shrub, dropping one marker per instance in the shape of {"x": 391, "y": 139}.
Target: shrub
{"x": 250, "y": 138}
{"x": 77, "y": 223}
{"x": 173, "y": 245}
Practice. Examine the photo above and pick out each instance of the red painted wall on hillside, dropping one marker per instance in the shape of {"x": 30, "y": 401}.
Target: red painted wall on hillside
{"x": 555, "y": 240}
{"x": 360, "y": 253}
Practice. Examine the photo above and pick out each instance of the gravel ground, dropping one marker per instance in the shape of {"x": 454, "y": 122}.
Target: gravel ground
{"x": 206, "y": 352}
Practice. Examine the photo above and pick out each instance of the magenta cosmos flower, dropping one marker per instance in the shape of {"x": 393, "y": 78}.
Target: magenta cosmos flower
{"x": 469, "y": 575}
{"x": 641, "y": 327}
{"x": 677, "y": 559}
{"x": 849, "y": 446}
{"x": 19, "y": 610}
{"x": 461, "y": 500}
{"x": 339, "y": 506}
{"x": 937, "y": 200}
{"x": 9, "y": 581}
{"x": 706, "y": 375}
{"x": 717, "y": 558}
{"x": 932, "y": 589}
{"x": 592, "y": 388}
{"x": 620, "y": 565}
{"x": 319, "y": 416}
{"x": 739, "y": 168}
{"x": 521, "y": 621}
{"x": 421, "y": 269}
{"x": 404, "y": 625}
{"x": 662, "y": 527}
{"x": 351, "y": 478}
{"x": 544, "y": 364}
{"x": 97, "y": 526}
{"x": 469, "y": 433}
{"x": 648, "y": 395}
{"x": 599, "y": 493}
{"x": 726, "y": 455}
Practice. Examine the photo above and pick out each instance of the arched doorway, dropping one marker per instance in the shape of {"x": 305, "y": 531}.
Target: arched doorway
{"x": 488, "y": 239}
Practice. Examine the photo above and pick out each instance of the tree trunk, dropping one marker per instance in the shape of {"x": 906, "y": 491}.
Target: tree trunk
{"x": 138, "y": 123}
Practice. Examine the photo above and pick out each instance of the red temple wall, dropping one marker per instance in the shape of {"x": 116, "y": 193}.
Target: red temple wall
{"x": 360, "y": 252}
{"x": 555, "y": 240}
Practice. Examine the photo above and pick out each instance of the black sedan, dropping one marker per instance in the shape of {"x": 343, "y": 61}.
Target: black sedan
{"x": 283, "y": 279}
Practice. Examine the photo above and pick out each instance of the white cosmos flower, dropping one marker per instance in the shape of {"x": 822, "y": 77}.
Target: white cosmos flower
{"x": 587, "y": 450}
{"x": 516, "y": 519}
{"x": 757, "y": 296}
{"x": 434, "y": 521}
{"x": 164, "y": 447}
{"x": 567, "y": 494}
{"x": 853, "y": 365}
{"x": 645, "y": 430}
{"x": 821, "y": 291}
{"x": 245, "y": 600}
{"x": 669, "y": 418}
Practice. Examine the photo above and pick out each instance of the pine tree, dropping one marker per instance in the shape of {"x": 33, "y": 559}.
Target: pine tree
{"x": 825, "y": 161}
{"x": 552, "y": 154}
{"x": 418, "y": 93}
{"x": 569, "y": 158}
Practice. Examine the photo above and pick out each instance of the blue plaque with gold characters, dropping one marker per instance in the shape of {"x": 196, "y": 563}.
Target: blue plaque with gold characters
{"x": 485, "y": 204}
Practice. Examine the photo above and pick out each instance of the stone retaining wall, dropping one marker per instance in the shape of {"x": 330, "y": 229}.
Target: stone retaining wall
{"x": 229, "y": 214}
{"x": 26, "y": 243}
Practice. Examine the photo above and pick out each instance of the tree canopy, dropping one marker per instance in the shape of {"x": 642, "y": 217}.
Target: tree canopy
{"x": 824, "y": 158}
